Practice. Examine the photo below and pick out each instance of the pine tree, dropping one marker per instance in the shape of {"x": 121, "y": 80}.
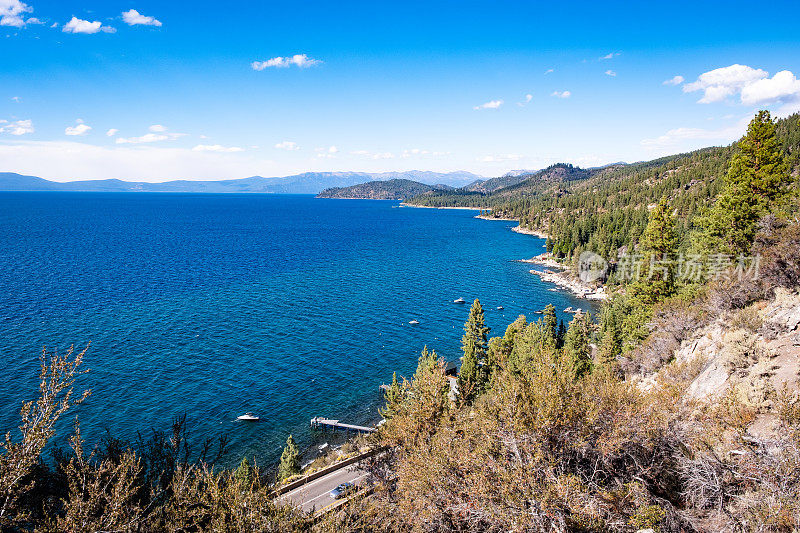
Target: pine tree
{"x": 501, "y": 350}
{"x": 576, "y": 345}
{"x": 658, "y": 246}
{"x": 609, "y": 348}
{"x": 394, "y": 397}
{"x": 472, "y": 376}
{"x": 757, "y": 177}
{"x": 244, "y": 473}
{"x": 550, "y": 324}
{"x": 560, "y": 334}
{"x": 290, "y": 460}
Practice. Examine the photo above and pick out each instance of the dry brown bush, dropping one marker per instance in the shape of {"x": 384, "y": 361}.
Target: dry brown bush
{"x": 673, "y": 322}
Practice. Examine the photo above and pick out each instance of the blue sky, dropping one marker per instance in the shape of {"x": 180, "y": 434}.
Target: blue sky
{"x": 164, "y": 90}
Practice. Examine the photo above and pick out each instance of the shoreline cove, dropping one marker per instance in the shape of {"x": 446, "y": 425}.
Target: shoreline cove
{"x": 565, "y": 277}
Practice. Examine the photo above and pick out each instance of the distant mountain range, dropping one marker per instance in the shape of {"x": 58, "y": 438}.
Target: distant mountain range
{"x": 306, "y": 183}
{"x": 514, "y": 183}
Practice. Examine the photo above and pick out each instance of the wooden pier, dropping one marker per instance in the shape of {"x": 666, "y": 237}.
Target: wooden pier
{"x": 322, "y": 423}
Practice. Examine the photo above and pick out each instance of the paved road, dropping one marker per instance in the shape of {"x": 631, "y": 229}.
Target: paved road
{"x": 316, "y": 494}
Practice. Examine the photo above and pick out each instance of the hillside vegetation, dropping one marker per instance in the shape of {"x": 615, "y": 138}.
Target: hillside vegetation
{"x": 395, "y": 189}
{"x": 606, "y": 209}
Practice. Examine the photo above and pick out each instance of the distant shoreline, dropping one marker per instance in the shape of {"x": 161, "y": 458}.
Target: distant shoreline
{"x": 318, "y": 197}
{"x": 434, "y": 207}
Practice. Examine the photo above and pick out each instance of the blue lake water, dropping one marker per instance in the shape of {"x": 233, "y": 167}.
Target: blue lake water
{"x": 213, "y": 305}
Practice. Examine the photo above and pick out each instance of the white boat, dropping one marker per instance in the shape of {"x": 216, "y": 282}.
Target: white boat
{"x": 499, "y": 307}
{"x": 460, "y": 301}
{"x": 414, "y": 322}
{"x": 249, "y": 417}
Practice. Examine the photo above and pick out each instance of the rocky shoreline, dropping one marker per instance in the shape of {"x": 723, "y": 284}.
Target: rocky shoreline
{"x": 564, "y": 278}
{"x": 403, "y": 204}
{"x": 526, "y": 231}
{"x": 485, "y": 217}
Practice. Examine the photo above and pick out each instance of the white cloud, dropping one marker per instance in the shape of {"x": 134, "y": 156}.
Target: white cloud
{"x": 133, "y": 17}
{"x": 528, "y": 98}
{"x": 499, "y": 158}
{"x": 16, "y": 99}
{"x": 146, "y": 138}
{"x": 373, "y": 155}
{"x": 112, "y": 132}
{"x": 561, "y": 94}
{"x": 548, "y": 71}
{"x": 691, "y": 138}
{"x": 157, "y": 133}
{"x": 782, "y": 87}
{"x": 287, "y": 145}
{"x": 329, "y": 152}
{"x": 298, "y": 60}
{"x": 417, "y": 152}
{"x": 79, "y": 129}
{"x": 150, "y": 138}
{"x": 610, "y": 55}
{"x": 492, "y": 104}
{"x": 216, "y": 148}
{"x": 11, "y": 12}
{"x": 754, "y": 87}
{"x": 76, "y": 25}
{"x": 17, "y": 127}
{"x": 611, "y": 73}
{"x": 720, "y": 83}
{"x": 675, "y": 80}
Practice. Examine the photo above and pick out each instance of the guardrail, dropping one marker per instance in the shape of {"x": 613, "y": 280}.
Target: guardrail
{"x": 363, "y": 493}
{"x": 322, "y": 472}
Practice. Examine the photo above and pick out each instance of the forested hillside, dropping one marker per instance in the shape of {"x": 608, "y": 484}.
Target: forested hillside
{"x": 606, "y": 209}
{"x": 395, "y": 189}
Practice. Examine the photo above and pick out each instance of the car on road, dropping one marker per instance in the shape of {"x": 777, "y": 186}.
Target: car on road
{"x": 342, "y": 490}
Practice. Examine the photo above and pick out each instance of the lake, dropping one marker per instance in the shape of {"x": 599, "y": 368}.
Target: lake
{"x": 213, "y": 305}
